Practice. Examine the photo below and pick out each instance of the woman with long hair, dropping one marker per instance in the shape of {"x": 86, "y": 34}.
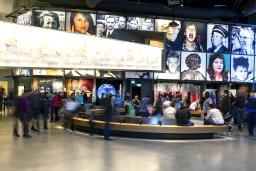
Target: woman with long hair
{"x": 81, "y": 23}
{"x": 216, "y": 68}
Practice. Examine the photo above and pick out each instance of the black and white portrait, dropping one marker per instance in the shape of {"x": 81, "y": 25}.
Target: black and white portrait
{"x": 49, "y": 19}
{"x": 194, "y": 36}
{"x": 193, "y": 66}
{"x": 172, "y": 67}
{"x": 242, "y": 40}
{"x": 139, "y": 23}
{"x": 242, "y": 68}
{"x": 141, "y": 75}
{"x": 217, "y": 38}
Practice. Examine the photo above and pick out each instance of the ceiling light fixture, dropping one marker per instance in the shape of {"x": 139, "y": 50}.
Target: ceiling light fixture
{"x": 173, "y": 23}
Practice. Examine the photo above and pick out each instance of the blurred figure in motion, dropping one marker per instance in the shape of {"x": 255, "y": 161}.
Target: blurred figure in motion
{"x": 108, "y": 114}
{"x": 24, "y": 114}
{"x": 71, "y": 109}
{"x": 34, "y": 100}
{"x": 44, "y": 109}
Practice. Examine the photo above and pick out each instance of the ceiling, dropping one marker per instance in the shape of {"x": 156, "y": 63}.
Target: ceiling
{"x": 242, "y": 11}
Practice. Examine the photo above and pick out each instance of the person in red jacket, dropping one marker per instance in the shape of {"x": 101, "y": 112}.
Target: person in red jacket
{"x": 56, "y": 103}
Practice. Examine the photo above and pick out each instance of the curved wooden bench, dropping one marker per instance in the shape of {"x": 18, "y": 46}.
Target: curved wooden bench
{"x": 151, "y": 131}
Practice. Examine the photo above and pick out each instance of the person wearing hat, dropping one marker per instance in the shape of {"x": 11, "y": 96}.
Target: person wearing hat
{"x": 219, "y": 34}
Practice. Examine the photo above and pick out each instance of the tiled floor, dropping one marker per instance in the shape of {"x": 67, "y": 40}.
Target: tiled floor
{"x": 57, "y": 150}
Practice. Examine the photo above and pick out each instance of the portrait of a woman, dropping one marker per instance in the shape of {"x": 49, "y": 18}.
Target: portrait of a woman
{"x": 193, "y": 62}
{"x": 82, "y": 23}
{"x": 217, "y": 70}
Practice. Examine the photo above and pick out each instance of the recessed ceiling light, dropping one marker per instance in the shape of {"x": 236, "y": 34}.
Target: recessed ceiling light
{"x": 219, "y": 5}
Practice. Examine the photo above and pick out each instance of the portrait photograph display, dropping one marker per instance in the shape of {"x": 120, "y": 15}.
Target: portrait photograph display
{"x": 218, "y": 67}
{"x": 49, "y": 72}
{"x": 25, "y": 19}
{"x": 79, "y": 73}
{"x": 173, "y": 34}
{"x": 49, "y": 19}
{"x": 242, "y": 40}
{"x": 172, "y": 67}
{"x": 193, "y": 36}
{"x": 242, "y": 68}
{"x": 109, "y": 74}
{"x": 139, "y": 23}
{"x": 141, "y": 75}
{"x": 81, "y": 22}
{"x": 115, "y": 27}
{"x": 80, "y": 86}
{"x": 217, "y": 38}
{"x": 193, "y": 66}
{"x": 21, "y": 72}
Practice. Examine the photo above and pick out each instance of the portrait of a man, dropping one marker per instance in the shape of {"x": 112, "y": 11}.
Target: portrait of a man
{"x": 217, "y": 38}
{"x": 242, "y": 39}
{"x": 172, "y": 67}
{"x": 173, "y": 38}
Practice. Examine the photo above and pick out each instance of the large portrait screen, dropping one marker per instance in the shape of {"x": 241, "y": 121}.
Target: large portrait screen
{"x": 242, "y": 68}
{"x": 194, "y": 39}
{"x": 193, "y": 66}
{"x": 81, "y": 22}
{"x": 218, "y": 67}
{"x": 242, "y": 39}
{"x": 217, "y": 38}
{"x": 49, "y": 19}
{"x": 173, "y": 34}
{"x": 172, "y": 70}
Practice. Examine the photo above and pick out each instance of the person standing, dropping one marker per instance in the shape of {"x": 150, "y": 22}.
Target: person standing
{"x": 107, "y": 115}
{"x": 56, "y": 103}
{"x": 251, "y": 113}
{"x": 225, "y": 103}
{"x": 2, "y": 94}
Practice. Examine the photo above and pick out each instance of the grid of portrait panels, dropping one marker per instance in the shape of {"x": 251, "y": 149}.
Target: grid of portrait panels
{"x": 223, "y": 49}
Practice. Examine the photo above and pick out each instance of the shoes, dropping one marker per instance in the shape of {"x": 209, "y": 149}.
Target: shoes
{"x": 15, "y": 134}
{"x": 27, "y": 136}
{"x": 45, "y": 127}
{"x": 34, "y": 129}
{"x": 240, "y": 129}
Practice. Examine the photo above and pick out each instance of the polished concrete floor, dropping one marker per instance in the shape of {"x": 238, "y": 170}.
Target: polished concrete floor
{"x": 57, "y": 150}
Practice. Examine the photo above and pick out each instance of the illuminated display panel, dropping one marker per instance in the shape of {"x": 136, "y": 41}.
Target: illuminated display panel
{"x": 22, "y": 46}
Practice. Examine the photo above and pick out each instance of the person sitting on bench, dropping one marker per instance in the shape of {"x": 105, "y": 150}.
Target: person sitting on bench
{"x": 214, "y": 116}
{"x": 183, "y": 116}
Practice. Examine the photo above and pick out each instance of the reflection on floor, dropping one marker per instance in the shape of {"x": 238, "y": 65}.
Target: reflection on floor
{"x": 56, "y": 149}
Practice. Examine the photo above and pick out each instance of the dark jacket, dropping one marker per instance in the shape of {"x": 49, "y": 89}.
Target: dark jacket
{"x": 225, "y": 104}
{"x": 182, "y": 116}
{"x": 240, "y": 102}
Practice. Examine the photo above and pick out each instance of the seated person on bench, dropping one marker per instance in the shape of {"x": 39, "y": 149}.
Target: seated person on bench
{"x": 214, "y": 116}
{"x": 183, "y": 116}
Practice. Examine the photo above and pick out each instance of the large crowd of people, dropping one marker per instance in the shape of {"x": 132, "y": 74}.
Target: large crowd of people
{"x": 33, "y": 108}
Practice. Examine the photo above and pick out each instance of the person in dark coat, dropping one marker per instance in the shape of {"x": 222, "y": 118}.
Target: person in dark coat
{"x": 34, "y": 99}
{"x": 251, "y": 113}
{"x": 239, "y": 105}
{"x": 24, "y": 114}
{"x": 225, "y": 104}
{"x": 44, "y": 109}
{"x": 183, "y": 116}
{"x": 107, "y": 115}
